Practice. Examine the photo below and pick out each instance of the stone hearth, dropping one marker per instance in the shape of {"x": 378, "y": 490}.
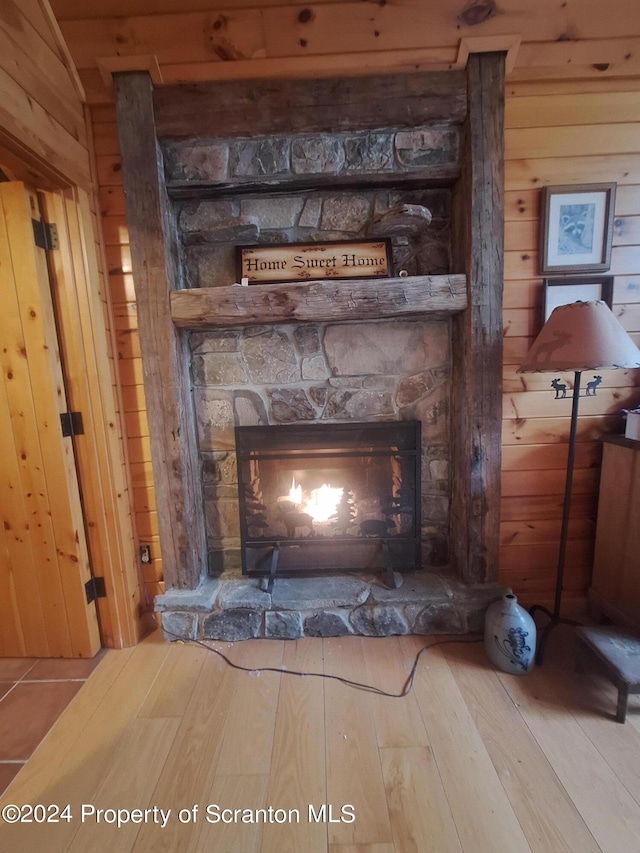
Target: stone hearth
{"x": 230, "y": 609}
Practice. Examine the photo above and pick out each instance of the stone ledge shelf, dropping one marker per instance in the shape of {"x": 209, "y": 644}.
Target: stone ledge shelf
{"x": 319, "y": 301}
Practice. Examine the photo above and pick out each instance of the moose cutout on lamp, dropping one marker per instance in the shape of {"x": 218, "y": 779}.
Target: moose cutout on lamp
{"x": 581, "y": 336}
{"x": 561, "y": 388}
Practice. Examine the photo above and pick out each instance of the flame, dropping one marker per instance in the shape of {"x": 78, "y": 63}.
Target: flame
{"x": 295, "y": 492}
{"x": 321, "y": 504}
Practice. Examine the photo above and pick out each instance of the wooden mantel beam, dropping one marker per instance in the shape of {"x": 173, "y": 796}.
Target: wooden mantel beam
{"x": 318, "y": 301}
{"x": 154, "y": 258}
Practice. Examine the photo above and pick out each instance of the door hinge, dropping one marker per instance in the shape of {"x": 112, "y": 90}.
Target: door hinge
{"x": 45, "y": 234}
{"x": 71, "y": 423}
{"x": 95, "y": 588}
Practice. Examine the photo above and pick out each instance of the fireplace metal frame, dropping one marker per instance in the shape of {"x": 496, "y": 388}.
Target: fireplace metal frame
{"x": 331, "y": 441}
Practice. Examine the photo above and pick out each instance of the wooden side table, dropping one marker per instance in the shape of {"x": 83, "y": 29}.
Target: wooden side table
{"x": 615, "y": 587}
{"x": 618, "y": 654}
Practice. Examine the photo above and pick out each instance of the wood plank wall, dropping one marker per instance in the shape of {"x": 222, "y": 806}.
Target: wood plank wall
{"x": 45, "y": 141}
{"x": 550, "y": 128}
{"x": 556, "y": 133}
{"x": 40, "y": 99}
{"x": 118, "y": 260}
{"x": 583, "y": 127}
{"x": 224, "y": 39}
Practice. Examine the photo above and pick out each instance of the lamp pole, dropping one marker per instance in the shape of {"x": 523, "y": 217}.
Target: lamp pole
{"x": 554, "y": 617}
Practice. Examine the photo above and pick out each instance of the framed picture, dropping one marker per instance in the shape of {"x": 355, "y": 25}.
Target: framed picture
{"x": 576, "y": 227}
{"x": 562, "y": 291}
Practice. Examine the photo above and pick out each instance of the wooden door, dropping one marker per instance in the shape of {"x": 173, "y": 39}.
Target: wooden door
{"x": 44, "y": 563}
{"x": 83, "y": 318}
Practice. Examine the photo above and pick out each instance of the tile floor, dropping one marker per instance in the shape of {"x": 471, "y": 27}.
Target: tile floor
{"x": 33, "y": 694}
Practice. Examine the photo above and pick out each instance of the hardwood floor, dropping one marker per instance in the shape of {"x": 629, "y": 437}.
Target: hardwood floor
{"x": 472, "y": 761}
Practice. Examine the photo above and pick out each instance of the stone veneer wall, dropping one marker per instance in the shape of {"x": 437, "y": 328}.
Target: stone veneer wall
{"x": 326, "y": 372}
{"x": 284, "y": 168}
{"x": 210, "y": 230}
{"x": 304, "y": 188}
{"x": 421, "y": 152}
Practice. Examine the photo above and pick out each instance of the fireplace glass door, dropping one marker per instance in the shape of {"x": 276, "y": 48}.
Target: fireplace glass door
{"x": 329, "y": 497}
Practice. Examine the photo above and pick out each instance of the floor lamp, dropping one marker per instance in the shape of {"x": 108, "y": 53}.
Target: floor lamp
{"x": 582, "y": 336}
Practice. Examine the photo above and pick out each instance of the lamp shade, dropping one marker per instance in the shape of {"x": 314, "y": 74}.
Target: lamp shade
{"x": 581, "y": 336}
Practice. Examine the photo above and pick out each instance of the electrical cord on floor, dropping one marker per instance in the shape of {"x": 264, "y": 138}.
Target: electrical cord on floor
{"x": 368, "y": 688}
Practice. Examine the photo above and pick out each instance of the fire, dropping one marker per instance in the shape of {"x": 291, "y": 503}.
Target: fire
{"x": 295, "y": 492}
{"x": 321, "y": 504}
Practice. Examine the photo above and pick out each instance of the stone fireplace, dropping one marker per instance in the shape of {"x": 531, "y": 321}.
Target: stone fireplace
{"x": 350, "y": 371}
{"x": 333, "y": 356}
{"x": 324, "y": 498}
{"x": 331, "y": 373}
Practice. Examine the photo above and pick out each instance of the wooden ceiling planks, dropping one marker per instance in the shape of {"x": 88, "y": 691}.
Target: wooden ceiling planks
{"x": 70, "y": 9}
{"x": 40, "y": 96}
{"x": 199, "y": 40}
{"x": 346, "y": 27}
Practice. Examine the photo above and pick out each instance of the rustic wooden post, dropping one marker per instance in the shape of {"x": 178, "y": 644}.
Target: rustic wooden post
{"x": 477, "y": 332}
{"x": 154, "y": 258}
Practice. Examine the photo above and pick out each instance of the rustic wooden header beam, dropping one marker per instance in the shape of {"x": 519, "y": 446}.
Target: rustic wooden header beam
{"x": 318, "y": 301}
{"x": 250, "y": 107}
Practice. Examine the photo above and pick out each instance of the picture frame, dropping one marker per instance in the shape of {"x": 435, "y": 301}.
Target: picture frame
{"x": 576, "y": 228}
{"x": 563, "y": 291}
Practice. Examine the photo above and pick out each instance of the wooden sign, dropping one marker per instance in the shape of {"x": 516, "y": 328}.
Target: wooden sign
{"x": 269, "y": 263}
